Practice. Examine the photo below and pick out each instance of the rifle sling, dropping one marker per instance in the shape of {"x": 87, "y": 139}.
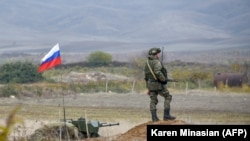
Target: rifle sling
{"x": 151, "y": 71}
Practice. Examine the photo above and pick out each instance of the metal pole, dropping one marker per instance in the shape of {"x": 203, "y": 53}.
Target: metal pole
{"x": 133, "y": 86}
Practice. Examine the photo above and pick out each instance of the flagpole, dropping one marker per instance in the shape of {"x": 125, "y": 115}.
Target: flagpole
{"x": 64, "y": 118}
{"x": 50, "y": 60}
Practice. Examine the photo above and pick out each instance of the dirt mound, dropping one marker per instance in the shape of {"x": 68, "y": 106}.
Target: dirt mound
{"x": 139, "y": 132}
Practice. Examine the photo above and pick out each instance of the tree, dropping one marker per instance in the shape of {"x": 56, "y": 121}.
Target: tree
{"x": 99, "y": 58}
{"x": 19, "y": 72}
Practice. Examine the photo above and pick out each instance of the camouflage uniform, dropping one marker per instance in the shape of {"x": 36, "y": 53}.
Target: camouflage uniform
{"x": 156, "y": 84}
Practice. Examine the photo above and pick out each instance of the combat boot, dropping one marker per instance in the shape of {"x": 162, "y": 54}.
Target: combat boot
{"x": 167, "y": 116}
{"x": 154, "y": 116}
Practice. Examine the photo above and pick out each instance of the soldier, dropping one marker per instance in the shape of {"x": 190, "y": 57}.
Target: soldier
{"x": 156, "y": 80}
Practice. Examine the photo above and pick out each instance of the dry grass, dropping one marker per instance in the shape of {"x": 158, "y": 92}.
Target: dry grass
{"x": 135, "y": 115}
{"x": 11, "y": 121}
{"x": 41, "y": 112}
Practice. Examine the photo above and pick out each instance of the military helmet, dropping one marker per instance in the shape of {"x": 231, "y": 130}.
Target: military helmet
{"x": 154, "y": 51}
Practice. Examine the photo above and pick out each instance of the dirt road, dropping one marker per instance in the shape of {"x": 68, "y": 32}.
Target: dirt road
{"x": 192, "y": 101}
{"x": 196, "y": 100}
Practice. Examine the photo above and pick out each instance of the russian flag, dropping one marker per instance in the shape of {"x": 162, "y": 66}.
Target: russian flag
{"x": 51, "y": 59}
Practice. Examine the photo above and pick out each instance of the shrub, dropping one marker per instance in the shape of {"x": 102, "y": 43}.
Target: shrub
{"x": 99, "y": 58}
{"x": 19, "y": 72}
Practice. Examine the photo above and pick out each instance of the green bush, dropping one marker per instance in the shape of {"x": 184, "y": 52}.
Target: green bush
{"x": 99, "y": 58}
{"x": 19, "y": 72}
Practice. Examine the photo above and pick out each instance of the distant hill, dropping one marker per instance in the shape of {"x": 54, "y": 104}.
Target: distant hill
{"x": 119, "y": 26}
{"x": 218, "y": 56}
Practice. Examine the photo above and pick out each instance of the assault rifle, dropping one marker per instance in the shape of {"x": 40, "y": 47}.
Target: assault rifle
{"x": 172, "y": 80}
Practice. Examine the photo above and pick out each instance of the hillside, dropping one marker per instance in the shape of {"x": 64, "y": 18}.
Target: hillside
{"x": 218, "y": 56}
{"x": 121, "y": 26}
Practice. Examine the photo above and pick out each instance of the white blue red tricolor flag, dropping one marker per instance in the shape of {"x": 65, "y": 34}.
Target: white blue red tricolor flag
{"x": 51, "y": 59}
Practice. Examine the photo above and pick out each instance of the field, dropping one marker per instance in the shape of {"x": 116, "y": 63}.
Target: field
{"x": 130, "y": 110}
